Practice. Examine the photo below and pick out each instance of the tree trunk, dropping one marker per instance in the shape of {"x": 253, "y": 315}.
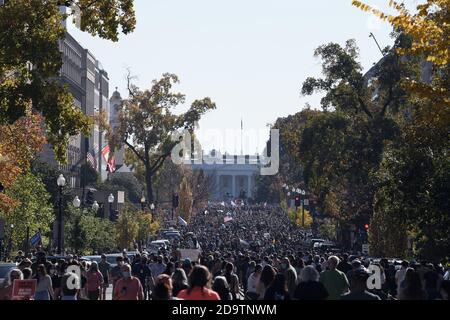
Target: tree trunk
{"x": 148, "y": 182}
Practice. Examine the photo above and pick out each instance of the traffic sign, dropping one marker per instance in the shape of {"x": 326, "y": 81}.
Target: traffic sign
{"x": 365, "y": 248}
{"x": 306, "y": 202}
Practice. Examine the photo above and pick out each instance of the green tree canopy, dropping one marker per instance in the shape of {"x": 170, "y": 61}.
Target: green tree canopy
{"x": 30, "y": 60}
{"x": 34, "y": 209}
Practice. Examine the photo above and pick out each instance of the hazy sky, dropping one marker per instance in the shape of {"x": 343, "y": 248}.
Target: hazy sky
{"x": 249, "y": 56}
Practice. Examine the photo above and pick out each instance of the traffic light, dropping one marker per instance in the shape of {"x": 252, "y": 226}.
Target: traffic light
{"x": 175, "y": 201}
{"x": 298, "y": 202}
{"x": 114, "y": 216}
{"x": 366, "y": 227}
{"x": 90, "y": 198}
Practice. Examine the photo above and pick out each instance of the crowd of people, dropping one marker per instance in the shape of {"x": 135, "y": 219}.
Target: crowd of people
{"x": 256, "y": 253}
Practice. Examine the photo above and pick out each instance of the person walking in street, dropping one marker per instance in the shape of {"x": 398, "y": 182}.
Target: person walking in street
{"x": 290, "y": 275}
{"x": 198, "y": 286}
{"x": 94, "y": 282}
{"x": 267, "y": 276}
{"x": 411, "y": 287}
{"x": 358, "y": 287}
{"x": 142, "y": 271}
{"x": 44, "y": 289}
{"x": 309, "y": 286}
{"x": 222, "y": 288}
{"x": 232, "y": 279}
{"x": 116, "y": 271}
{"x": 335, "y": 281}
{"x": 6, "y": 292}
{"x": 69, "y": 289}
{"x": 179, "y": 281}
{"x": 253, "y": 281}
{"x": 278, "y": 289}
{"x": 105, "y": 269}
{"x": 128, "y": 287}
{"x": 400, "y": 274}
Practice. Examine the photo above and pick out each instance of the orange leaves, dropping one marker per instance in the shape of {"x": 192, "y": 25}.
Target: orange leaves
{"x": 429, "y": 27}
{"x": 20, "y": 142}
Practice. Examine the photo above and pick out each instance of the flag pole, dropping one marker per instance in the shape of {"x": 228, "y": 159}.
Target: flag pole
{"x": 242, "y": 130}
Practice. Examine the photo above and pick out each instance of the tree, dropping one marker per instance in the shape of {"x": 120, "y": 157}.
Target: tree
{"x": 33, "y": 210}
{"x": 147, "y": 123}
{"x": 268, "y": 189}
{"x": 147, "y": 226}
{"x": 127, "y": 228}
{"x": 89, "y": 175}
{"x": 430, "y": 31}
{"x": 87, "y": 234}
{"x": 20, "y": 143}
{"x": 341, "y": 148}
{"x": 166, "y": 181}
{"x": 123, "y": 182}
{"x": 414, "y": 181}
{"x": 30, "y": 60}
{"x": 201, "y": 185}
{"x": 186, "y": 200}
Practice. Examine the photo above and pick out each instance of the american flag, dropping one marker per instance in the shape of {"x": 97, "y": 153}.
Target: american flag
{"x": 91, "y": 160}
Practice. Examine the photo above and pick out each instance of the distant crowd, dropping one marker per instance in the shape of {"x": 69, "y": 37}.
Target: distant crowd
{"x": 258, "y": 254}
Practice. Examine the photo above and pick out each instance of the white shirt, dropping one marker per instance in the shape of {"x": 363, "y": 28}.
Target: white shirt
{"x": 252, "y": 282}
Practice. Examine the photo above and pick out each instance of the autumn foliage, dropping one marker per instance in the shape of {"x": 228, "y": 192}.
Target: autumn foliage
{"x": 20, "y": 142}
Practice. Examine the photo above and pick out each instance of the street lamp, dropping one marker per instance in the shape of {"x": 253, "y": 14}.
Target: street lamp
{"x": 143, "y": 203}
{"x": 61, "y": 182}
{"x": 110, "y": 201}
{"x": 95, "y": 206}
{"x": 152, "y": 208}
{"x": 76, "y": 202}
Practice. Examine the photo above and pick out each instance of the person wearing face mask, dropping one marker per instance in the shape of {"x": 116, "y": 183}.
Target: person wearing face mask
{"x": 290, "y": 274}
{"x": 128, "y": 287}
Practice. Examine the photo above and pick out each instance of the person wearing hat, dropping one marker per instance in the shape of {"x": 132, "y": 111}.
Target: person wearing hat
{"x": 358, "y": 287}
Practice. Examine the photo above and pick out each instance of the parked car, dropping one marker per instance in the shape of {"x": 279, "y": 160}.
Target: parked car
{"x": 111, "y": 258}
{"x": 161, "y": 244}
{"x": 5, "y": 268}
{"x": 91, "y": 258}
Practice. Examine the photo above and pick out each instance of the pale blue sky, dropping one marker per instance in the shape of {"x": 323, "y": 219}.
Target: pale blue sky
{"x": 249, "y": 56}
